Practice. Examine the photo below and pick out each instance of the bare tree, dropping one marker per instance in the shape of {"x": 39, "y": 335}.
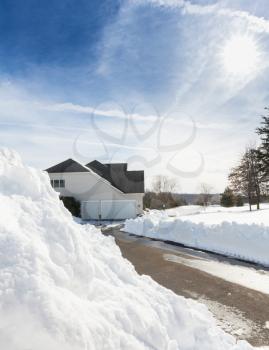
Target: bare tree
{"x": 163, "y": 188}
{"x": 163, "y": 184}
{"x": 246, "y": 177}
{"x": 205, "y": 195}
{"x": 157, "y": 184}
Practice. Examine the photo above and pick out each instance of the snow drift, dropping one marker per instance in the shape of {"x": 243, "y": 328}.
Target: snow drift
{"x": 65, "y": 286}
{"x": 235, "y": 232}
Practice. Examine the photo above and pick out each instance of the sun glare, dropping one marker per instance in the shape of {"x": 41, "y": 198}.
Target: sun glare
{"x": 240, "y": 55}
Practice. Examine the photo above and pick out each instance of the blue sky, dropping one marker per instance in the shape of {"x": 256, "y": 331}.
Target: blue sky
{"x": 144, "y": 81}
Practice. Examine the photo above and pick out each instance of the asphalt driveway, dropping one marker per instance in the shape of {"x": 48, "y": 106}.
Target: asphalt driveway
{"x": 241, "y": 311}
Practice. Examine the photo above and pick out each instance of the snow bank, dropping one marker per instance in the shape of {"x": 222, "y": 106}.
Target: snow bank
{"x": 65, "y": 286}
{"x": 235, "y": 232}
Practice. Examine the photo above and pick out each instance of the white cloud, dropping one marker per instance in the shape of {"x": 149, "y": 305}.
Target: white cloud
{"x": 256, "y": 24}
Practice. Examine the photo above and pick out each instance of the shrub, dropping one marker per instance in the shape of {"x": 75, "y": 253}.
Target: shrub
{"x": 162, "y": 200}
{"x": 239, "y": 202}
{"x": 227, "y": 198}
{"x": 72, "y": 205}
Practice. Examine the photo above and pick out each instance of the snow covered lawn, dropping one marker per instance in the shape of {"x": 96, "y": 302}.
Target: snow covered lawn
{"x": 66, "y": 286}
{"x": 234, "y": 232}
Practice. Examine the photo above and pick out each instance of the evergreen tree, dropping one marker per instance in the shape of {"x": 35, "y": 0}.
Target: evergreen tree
{"x": 263, "y": 151}
{"x": 239, "y": 202}
{"x": 227, "y": 198}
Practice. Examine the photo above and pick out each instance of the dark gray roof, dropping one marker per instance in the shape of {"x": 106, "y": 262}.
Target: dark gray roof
{"x": 116, "y": 173}
{"x": 67, "y": 166}
{"x": 119, "y": 177}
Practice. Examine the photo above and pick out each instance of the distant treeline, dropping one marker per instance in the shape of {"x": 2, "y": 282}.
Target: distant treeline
{"x": 166, "y": 200}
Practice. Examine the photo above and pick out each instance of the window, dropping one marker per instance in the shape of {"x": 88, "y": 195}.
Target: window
{"x": 57, "y": 183}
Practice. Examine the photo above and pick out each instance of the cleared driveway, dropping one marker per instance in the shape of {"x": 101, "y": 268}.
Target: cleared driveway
{"x": 239, "y": 309}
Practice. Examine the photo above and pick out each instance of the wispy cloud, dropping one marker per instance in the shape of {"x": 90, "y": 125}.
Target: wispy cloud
{"x": 182, "y": 118}
{"x": 255, "y": 23}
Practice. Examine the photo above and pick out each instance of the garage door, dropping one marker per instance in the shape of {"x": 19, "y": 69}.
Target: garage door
{"x": 117, "y": 210}
{"x": 108, "y": 210}
{"x": 90, "y": 210}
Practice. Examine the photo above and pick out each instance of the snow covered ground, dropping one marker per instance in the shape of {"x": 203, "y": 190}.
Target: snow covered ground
{"x": 216, "y": 214}
{"x": 231, "y": 231}
{"x": 66, "y": 286}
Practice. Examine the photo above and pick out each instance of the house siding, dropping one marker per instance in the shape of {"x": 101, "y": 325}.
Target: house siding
{"x": 139, "y": 199}
{"x": 85, "y": 186}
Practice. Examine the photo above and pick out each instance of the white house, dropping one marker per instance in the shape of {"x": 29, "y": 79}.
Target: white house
{"x": 106, "y": 191}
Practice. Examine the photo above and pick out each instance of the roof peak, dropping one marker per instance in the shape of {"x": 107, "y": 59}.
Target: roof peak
{"x": 68, "y": 166}
{"x": 118, "y": 175}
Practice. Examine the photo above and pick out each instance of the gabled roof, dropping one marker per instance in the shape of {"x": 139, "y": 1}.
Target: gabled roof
{"x": 119, "y": 177}
{"x": 115, "y": 173}
{"x": 68, "y": 166}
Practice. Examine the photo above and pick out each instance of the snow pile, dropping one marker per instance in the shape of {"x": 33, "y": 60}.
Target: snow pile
{"x": 65, "y": 286}
{"x": 234, "y": 232}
